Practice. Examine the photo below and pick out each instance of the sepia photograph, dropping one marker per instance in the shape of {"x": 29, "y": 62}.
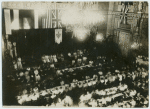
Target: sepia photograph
{"x": 75, "y": 54}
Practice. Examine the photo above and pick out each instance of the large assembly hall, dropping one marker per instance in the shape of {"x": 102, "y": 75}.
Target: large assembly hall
{"x": 75, "y": 54}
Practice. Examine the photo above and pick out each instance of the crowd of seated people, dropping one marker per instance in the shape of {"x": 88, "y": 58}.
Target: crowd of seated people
{"x": 53, "y": 82}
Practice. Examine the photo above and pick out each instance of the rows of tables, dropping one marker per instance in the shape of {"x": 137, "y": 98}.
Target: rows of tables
{"x": 98, "y": 74}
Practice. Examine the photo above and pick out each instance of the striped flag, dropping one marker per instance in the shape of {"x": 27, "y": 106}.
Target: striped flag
{"x": 52, "y": 19}
{"x": 43, "y": 22}
{"x": 47, "y": 22}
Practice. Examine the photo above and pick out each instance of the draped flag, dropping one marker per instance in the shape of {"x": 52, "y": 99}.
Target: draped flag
{"x": 58, "y": 36}
{"x": 7, "y": 21}
{"x": 52, "y": 19}
{"x": 47, "y": 21}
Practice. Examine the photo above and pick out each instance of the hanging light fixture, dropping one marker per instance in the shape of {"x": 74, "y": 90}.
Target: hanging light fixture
{"x": 99, "y": 37}
{"x": 80, "y": 15}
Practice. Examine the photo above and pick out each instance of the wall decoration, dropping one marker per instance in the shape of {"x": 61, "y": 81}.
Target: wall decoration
{"x": 58, "y": 36}
{"x": 26, "y": 23}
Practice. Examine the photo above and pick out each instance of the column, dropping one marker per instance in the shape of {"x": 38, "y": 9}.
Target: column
{"x": 110, "y": 19}
{"x": 7, "y": 21}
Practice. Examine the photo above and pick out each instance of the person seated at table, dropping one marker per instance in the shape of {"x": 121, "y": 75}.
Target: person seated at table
{"x": 62, "y": 82}
{"x": 58, "y": 73}
{"x": 110, "y": 79}
{"x": 15, "y": 65}
{"x": 73, "y": 73}
{"x": 69, "y": 57}
{"x": 52, "y": 71}
{"x": 78, "y": 52}
{"x": 72, "y": 85}
{"x": 120, "y": 77}
{"x": 55, "y": 58}
{"x": 47, "y": 59}
{"x": 23, "y": 97}
{"x": 85, "y": 85}
{"x": 117, "y": 76}
{"x": 80, "y": 84}
{"x": 79, "y": 61}
{"x": 68, "y": 102}
{"x": 91, "y": 63}
{"x": 95, "y": 76}
{"x": 102, "y": 81}
{"x": 89, "y": 84}
{"x": 58, "y": 57}
{"x": 75, "y": 55}
{"x": 84, "y": 60}
{"x": 84, "y": 51}
{"x": 106, "y": 80}
{"x": 27, "y": 76}
{"x": 123, "y": 77}
{"x": 19, "y": 63}
{"x": 21, "y": 77}
{"x": 44, "y": 65}
{"x": 82, "y": 101}
{"x": 37, "y": 76}
{"x": 50, "y": 58}
{"x": 62, "y": 57}
{"x": 100, "y": 73}
{"x": 73, "y": 63}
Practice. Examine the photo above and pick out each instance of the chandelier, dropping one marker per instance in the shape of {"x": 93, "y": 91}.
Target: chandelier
{"x": 81, "y": 15}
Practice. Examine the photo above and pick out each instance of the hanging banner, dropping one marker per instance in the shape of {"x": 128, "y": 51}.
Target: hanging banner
{"x": 36, "y": 26}
{"x": 26, "y": 23}
{"x": 50, "y": 19}
{"x": 15, "y": 23}
{"x": 58, "y": 36}
{"x": 47, "y": 18}
{"x": 7, "y": 21}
